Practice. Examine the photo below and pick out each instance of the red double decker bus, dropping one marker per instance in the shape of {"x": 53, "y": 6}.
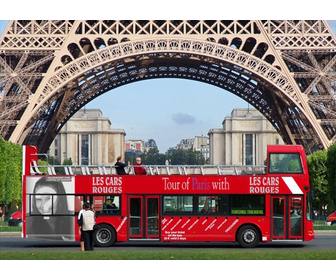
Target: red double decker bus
{"x": 244, "y": 204}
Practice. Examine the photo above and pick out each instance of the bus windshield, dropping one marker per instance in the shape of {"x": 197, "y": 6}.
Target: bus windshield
{"x": 285, "y": 163}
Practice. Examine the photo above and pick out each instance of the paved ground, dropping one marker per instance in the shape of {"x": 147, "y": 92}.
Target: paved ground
{"x": 9, "y": 242}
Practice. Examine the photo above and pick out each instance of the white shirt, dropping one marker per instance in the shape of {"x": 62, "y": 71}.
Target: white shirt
{"x": 88, "y": 220}
{"x": 80, "y": 213}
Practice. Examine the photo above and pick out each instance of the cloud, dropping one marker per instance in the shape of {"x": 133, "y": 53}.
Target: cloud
{"x": 181, "y": 118}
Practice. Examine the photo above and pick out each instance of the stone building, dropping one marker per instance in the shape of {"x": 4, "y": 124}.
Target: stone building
{"x": 243, "y": 139}
{"x": 135, "y": 145}
{"x": 87, "y": 138}
{"x": 198, "y": 143}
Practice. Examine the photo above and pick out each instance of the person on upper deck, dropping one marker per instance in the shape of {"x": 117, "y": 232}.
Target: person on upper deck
{"x": 120, "y": 166}
{"x": 138, "y": 168}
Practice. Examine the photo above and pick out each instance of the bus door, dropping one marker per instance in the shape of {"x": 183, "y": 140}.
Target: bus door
{"x": 286, "y": 217}
{"x": 143, "y": 215}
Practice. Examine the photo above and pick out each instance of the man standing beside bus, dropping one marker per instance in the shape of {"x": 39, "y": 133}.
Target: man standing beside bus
{"x": 87, "y": 222}
{"x": 80, "y": 223}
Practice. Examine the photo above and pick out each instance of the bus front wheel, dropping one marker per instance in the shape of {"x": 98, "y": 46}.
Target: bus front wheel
{"x": 104, "y": 235}
{"x": 248, "y": 236}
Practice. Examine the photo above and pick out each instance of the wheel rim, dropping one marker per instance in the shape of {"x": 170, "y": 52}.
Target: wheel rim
{"x": 104, "y": 236}
{"x": 249, "y": 236}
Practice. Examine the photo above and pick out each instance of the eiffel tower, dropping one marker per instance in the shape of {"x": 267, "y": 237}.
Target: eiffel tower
{"x": 49, "y": 69}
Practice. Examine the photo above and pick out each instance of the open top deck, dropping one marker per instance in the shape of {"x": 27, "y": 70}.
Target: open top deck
{"x": 150, "y": 169}
{"x": 289, "y": 159}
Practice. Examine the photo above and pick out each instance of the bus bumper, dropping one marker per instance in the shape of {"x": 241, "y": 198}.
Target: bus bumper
{"x": 309, "y": 232}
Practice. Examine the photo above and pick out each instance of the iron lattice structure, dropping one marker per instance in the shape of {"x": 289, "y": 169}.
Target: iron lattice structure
{"x": 286, "y": 69}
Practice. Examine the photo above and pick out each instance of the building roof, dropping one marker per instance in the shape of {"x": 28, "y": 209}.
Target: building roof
{"x": 88, "y": 113}
{"x": 245, "y": 112}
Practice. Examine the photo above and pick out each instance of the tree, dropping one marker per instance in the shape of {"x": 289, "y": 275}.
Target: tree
{"x": 331, "y": 165}
{"x": 10, "y": 174}
{"x": 150, "y": 144}
{"x": 184, "y": 157}
{"x": 43, "y": 166}
{"x": 153, "y": 157}
{"x": 176, "y": 156}
{"x": 67, "y": 161}
{"x": 318, "y": 172}
{"x": 3, "y": 172}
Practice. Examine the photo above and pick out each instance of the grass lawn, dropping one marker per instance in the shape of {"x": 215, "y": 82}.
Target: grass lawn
{"x": 174, "y": 254}
{"x": 321, "y": 225}
{"x": 325, "y": 227}
{"x": 10, "y": 229}
{"x": 5, "y": 228}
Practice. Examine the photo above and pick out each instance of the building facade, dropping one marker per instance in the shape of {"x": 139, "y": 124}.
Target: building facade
{"x": 87, "y": 138}
{"x": 243, "y": 139}
{"x": 201, "y": 144}
{"x": 198, "y": 143}
{"x": 135, "y": 145}
{"x": 185, "y": 144}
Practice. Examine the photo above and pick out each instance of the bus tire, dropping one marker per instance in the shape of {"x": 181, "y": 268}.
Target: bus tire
{"x": 248, "y": 236}
{"x": 104, "y": 235}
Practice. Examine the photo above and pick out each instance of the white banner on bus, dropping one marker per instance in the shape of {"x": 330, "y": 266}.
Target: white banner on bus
{"x": 292, "y": 185}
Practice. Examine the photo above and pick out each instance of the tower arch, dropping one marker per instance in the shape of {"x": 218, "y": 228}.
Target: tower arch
{"x": 48, "y": 77}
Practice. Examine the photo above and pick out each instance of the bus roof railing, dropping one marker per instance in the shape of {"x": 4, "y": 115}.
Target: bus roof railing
{"x": 70, "y": 170}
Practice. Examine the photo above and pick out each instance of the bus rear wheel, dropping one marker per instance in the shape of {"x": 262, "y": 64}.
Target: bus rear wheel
{"x": 248, "y": 236}
{"x": 104, "y": 235}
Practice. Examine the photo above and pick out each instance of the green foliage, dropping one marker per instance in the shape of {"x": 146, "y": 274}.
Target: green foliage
{"x": 67, "y": 161}
{"x": 3, "y": 171}
{"x": 215, "y": 253}
{"x": 153, "y": 157}
{"x": 184, "y": 157}
{"x": 43, "y": 166}
{"x": 331, "y": 164}
{"x": 322, "y": 171}
{"x": 175, "y": 157}
{"x": 10, "y": 173}
{"x": 10, "y": 229}
{"x": 317, "y": 164}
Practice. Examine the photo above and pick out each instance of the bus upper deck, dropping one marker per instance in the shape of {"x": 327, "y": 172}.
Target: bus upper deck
{"x": 287, "y": 159}
{"x": 71, "y": 170}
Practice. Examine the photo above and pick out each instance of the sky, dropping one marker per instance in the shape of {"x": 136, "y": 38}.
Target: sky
{"x": 166, "y": 110}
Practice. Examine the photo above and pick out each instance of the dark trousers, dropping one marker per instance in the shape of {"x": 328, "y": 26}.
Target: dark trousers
{"x": 88, "y": 240}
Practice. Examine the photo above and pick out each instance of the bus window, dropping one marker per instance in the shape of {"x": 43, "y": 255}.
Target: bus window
{"x": 177, "y": 204}
{"x": 224, "y": 204}
{"x": 207, "y": 205}
{"x": 285, "y": 163}
{"x": 41, "y": 204}
{"x": 63, "y": 204}
{"x": 106, "y": 204}
{"x": 247, "y": 205}
{"x": 51, "y": 204}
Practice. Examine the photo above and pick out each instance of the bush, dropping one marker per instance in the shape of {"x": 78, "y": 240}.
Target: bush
{"x": 317, "y": 164}
{"x": 10, "y": 174}
{"x": 331, "y": 164}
